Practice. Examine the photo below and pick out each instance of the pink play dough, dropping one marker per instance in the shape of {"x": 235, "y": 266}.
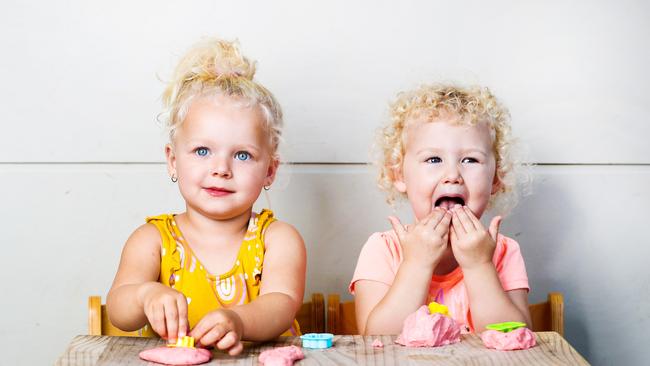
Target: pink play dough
{"x": 282, "y": 356}
{"x": 422, "y": 329}
{"x": 521, "y": 338}
{"x": 176, "y": 355}
{"x": 377, "y": 343}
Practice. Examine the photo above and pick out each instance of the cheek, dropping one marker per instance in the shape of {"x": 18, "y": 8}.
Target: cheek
{"x": 189, "y": 168}
{"x": 419, "y": 176}
{"x": 481, "y": 177}
{"x": 253, "y": 174}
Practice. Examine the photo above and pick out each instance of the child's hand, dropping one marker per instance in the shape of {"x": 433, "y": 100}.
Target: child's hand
{"x": 222, "y": 328}
{"x": 471, "y": 243}
{"x": 425, "y": 241}
{"x": 166, "y": 310}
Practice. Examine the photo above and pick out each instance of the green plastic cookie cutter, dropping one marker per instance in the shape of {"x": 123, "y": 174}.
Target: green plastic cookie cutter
{"x": 506, "y": 326}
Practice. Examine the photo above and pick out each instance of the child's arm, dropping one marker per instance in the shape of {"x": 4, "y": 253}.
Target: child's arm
{"x": 489, "y": 303}
{"x": 136, "y": 296}
{"x": 473, "y": 247}
{"x": 381, "y": 309}
{"x": 281, "y": 294}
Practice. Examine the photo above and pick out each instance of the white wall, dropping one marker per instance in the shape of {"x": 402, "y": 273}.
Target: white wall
{"x": 81, "y": 154}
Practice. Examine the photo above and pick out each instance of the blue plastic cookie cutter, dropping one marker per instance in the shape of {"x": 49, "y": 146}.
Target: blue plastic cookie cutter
{"x": 317, "y": 340}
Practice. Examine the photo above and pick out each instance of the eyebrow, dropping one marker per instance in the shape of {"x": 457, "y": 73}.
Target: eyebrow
{"x": 236, "y": 147}
{"x": 249, "y": 147}
{"x": 462, "y": 151}
{"x": 472, "y": 150}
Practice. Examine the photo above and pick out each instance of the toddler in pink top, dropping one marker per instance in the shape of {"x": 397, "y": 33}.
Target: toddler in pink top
{"x": 448, "y": 151}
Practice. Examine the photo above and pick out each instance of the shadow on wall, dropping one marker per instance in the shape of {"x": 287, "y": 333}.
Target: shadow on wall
{"x": 335, "y": 210}
{"x": 342, "y": 220}
{"x": 539, "y": 224}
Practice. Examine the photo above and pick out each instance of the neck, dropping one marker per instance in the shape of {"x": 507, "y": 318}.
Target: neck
{"x": 212, "y": 227}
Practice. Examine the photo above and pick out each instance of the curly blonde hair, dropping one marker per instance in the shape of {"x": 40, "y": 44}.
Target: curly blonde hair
{"x": 217, "y": 67}
{"x": 470, "y": 106}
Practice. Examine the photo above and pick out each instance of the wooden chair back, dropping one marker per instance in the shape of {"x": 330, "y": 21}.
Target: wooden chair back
{"x": 341, "y": 316}
{"x": 545, "y": 316}
{"x": 548, "y": 315}
{"x": 311, "y": 317}
{"x": 98, "y": 322}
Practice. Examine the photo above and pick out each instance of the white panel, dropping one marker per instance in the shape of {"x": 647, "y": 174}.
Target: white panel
{"x": 582, "y": 232}
{"x": 80, "y": 78}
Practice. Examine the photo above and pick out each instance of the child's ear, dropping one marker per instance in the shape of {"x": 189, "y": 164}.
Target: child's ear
{"x": 270, "y": 172}
{"x": 497, "y": 185}
{"x": 171, "y": 160}
{"x": 398, "y": 180}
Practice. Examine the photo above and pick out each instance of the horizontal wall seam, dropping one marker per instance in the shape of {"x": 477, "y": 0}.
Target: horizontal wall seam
{"x": 283, "y": 163}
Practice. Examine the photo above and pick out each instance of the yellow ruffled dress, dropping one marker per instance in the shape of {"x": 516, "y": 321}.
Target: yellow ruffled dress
{"x": 182, "y": 271}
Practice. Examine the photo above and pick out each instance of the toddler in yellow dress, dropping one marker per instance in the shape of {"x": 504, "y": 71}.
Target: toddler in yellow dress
{"x": 218, "y": 270}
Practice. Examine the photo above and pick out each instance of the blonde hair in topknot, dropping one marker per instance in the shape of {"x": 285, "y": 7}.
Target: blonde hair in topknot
{"x": 217, "y": 67}
{"x": 470, "y": 106}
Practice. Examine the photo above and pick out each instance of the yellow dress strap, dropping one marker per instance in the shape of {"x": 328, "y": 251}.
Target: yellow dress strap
{"x": 253, "y": 248}
{"x": 172, "y": 255}
{"x": 264, "y": 219}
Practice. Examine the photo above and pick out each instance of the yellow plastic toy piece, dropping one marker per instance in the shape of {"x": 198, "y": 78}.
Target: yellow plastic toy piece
{"x": 186, "y": 342}
{"x": 434, "y": 307}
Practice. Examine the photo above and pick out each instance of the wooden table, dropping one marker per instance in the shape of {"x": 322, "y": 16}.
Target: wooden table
{"x": 551, "y": 349}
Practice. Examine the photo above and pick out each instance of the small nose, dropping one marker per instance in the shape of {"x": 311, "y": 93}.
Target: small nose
{"x": 221, "y": 168}
{"x": 452, "y": 174}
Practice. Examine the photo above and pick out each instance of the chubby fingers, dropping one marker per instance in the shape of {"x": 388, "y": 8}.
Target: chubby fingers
{"x": 494, "y": 227}
{"x": 156, "y": 317}
{"x": 442, "y": 225}
{"x": 231, "y": 342}
{"x": 206, "y": 332}
{"x": 176, "y": 316}
{"x": 219, "y": 336}
{"x": 461, "y": 220}
{"x": 452, "y": 233}
{"x": 211, "y": 336}
{"x": 435, "y": 217}
{"x": 477, "y": 223}
{"x": 171, "y": 320}
{"x": 400, "y": 230}
{"x": 182, "y": 317}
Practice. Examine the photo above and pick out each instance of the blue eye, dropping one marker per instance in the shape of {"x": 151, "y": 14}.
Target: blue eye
{"x": 433, "y": 160}
{"x": 242, "y": 155}
{"x": 469, "y": 160}
{"x": 202, "y": 151}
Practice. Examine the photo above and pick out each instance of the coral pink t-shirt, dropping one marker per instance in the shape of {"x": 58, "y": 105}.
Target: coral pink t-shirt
{"x": 381, "y": 256}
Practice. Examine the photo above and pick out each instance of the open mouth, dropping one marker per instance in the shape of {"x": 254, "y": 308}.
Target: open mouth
{"x": 448, "y": 202}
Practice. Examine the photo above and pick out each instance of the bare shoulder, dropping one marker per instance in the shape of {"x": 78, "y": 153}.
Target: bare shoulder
{"x": 145, "y": 233}
{"x": 140, "y": 259}
{"x": 280, "y": 233}
{"x": 145, "y": 238}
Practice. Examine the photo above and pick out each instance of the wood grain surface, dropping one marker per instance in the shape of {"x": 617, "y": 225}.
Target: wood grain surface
{"x": 551, "y": 349}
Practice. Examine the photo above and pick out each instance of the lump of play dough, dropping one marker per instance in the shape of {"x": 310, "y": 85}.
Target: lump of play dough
{"x": 377, "y": 343}
{"x": 521, "y": 338}
{"x": 176, "y": 355}
{"x": 282, "y": 356}
{"x": 422, "y": 329}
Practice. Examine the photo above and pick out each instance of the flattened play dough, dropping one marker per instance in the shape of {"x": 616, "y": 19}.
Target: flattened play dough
{"x": 377, "y": 343}
{"x": 282, "y": 356}
{"x": 176, "y": 355}
{"x": 422, "y": 329}
{"x": 521, "y": 338}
